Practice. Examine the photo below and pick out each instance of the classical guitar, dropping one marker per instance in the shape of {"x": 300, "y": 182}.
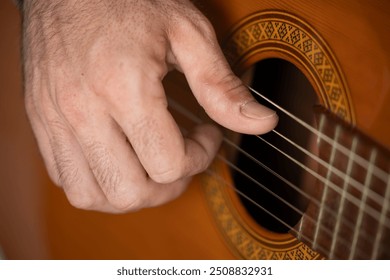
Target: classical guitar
{"x": 316, "y": 187}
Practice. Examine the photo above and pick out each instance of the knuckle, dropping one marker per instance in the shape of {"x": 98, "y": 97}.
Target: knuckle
{"x": 234, "y": 89}
{"x": 104, "y": 80}
{"x": 166, "y": 174}
{"x": 206, "y": 28}
{"x": 231, "y": 88}
{"x": 225, "y": 82}
{"x": 71, "y": 107}
{"x": 195, "y": 23}
{"x": 127, "y": 201}
{"x": 82, "y": 200}
{"x": 103, "y": 166}
{"x": 109, "y": 177}
{"x": 66, "y": 169}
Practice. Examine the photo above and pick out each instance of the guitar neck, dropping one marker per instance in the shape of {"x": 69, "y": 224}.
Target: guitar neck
{"x": 349, "y": 215}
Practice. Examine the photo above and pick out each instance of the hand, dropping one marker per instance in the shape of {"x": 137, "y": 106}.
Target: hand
{"x": 93, "y": 92}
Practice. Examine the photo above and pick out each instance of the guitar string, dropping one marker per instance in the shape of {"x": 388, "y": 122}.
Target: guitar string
{"x": 350, "y": 198}
{"x": 374, "y": 196}
{"x": 223, "y": 181}
{"x": 325, "y": 229}
{"x": 340, "y": 174}
{"x": 381, "y": 174}
{"x": 372, "y": 212}
{"x": 195, "y": 119}
{"x": 361, "y": 161}
{"x": 329, "y": 210}
{"x": 383, "y": 221}
{"x": 341, "y": 240}
{"x": 298, "y": 233}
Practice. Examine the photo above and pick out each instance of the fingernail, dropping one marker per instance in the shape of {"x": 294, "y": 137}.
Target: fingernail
{"x": 254, "y": 110}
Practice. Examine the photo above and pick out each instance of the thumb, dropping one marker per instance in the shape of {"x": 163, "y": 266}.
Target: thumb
{"x": 218, "y": 90}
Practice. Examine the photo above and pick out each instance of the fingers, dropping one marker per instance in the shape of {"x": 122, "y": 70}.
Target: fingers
{"x": 117, "y": 170}
{"x": 217, "y": 89}
{"x": 98, "y": 170}
{"x": 156, "y": 139}
{"x": 116, "y": 167}
{"x": 92, "y": 159}
{"x": 62, "y": 153}
{"x": 117, "y": 148}
{"x": 73, "y": 171}
{"x": 67, "y": 166}
{"x": 137, "y": 158}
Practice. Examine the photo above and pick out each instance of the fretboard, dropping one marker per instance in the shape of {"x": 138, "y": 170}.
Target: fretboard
{"x": 349, "y": 215}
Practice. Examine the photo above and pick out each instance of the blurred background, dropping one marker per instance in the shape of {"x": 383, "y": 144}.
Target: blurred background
{"x": 22, "y": 230}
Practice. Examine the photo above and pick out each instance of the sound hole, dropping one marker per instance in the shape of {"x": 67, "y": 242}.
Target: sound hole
{"x": 283, "y": 83}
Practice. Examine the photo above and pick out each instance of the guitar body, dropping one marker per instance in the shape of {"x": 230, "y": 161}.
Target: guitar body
{"x": 341, "y": 47}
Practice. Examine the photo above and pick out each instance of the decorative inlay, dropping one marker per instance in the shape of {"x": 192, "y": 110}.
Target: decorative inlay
{"x": 273, "y": 32}
{"x": 285, "y": 33}
{"x": 245, "y": 243}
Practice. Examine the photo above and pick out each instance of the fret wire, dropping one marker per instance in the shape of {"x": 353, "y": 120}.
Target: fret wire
{"x": 281, "y": 199}
{"x": 296, "y": 188}
{"x": 378, "y": 172}
{"x": 262, "y": 186}
{"x": 327, "y": 180}
{"x": 381, "y": 174}
{"x": 268, "y": 190}
{"x": 371, "y": 211}
{"x": 222, "y": 180}
{"x": 306, "y": 238}
{"x": 356, "y": 184}
{"x": 385, "y": 209}
{"x": 197, "y": 120}
{"x": 299, "y": 234}
{"x": 298, "y": 211}
{"x": 362, "y": 204}
{"x": 342, "y": 202}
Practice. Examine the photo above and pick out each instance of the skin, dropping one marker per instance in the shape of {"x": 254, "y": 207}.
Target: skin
{"x": 93, "y": 69}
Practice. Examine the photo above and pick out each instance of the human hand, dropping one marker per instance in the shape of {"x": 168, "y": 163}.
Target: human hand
{"x": 93, "y": 84}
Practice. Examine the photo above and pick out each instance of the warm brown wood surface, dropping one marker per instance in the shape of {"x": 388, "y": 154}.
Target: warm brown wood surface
{"x": 356, "y": 31}
{"x": 34, "y": 213}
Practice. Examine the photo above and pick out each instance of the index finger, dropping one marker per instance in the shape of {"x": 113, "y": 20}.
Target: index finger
{"x": 163, "y": 151}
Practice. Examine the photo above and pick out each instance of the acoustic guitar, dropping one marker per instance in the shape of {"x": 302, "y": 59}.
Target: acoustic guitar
{"x": 316, "y": 187}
